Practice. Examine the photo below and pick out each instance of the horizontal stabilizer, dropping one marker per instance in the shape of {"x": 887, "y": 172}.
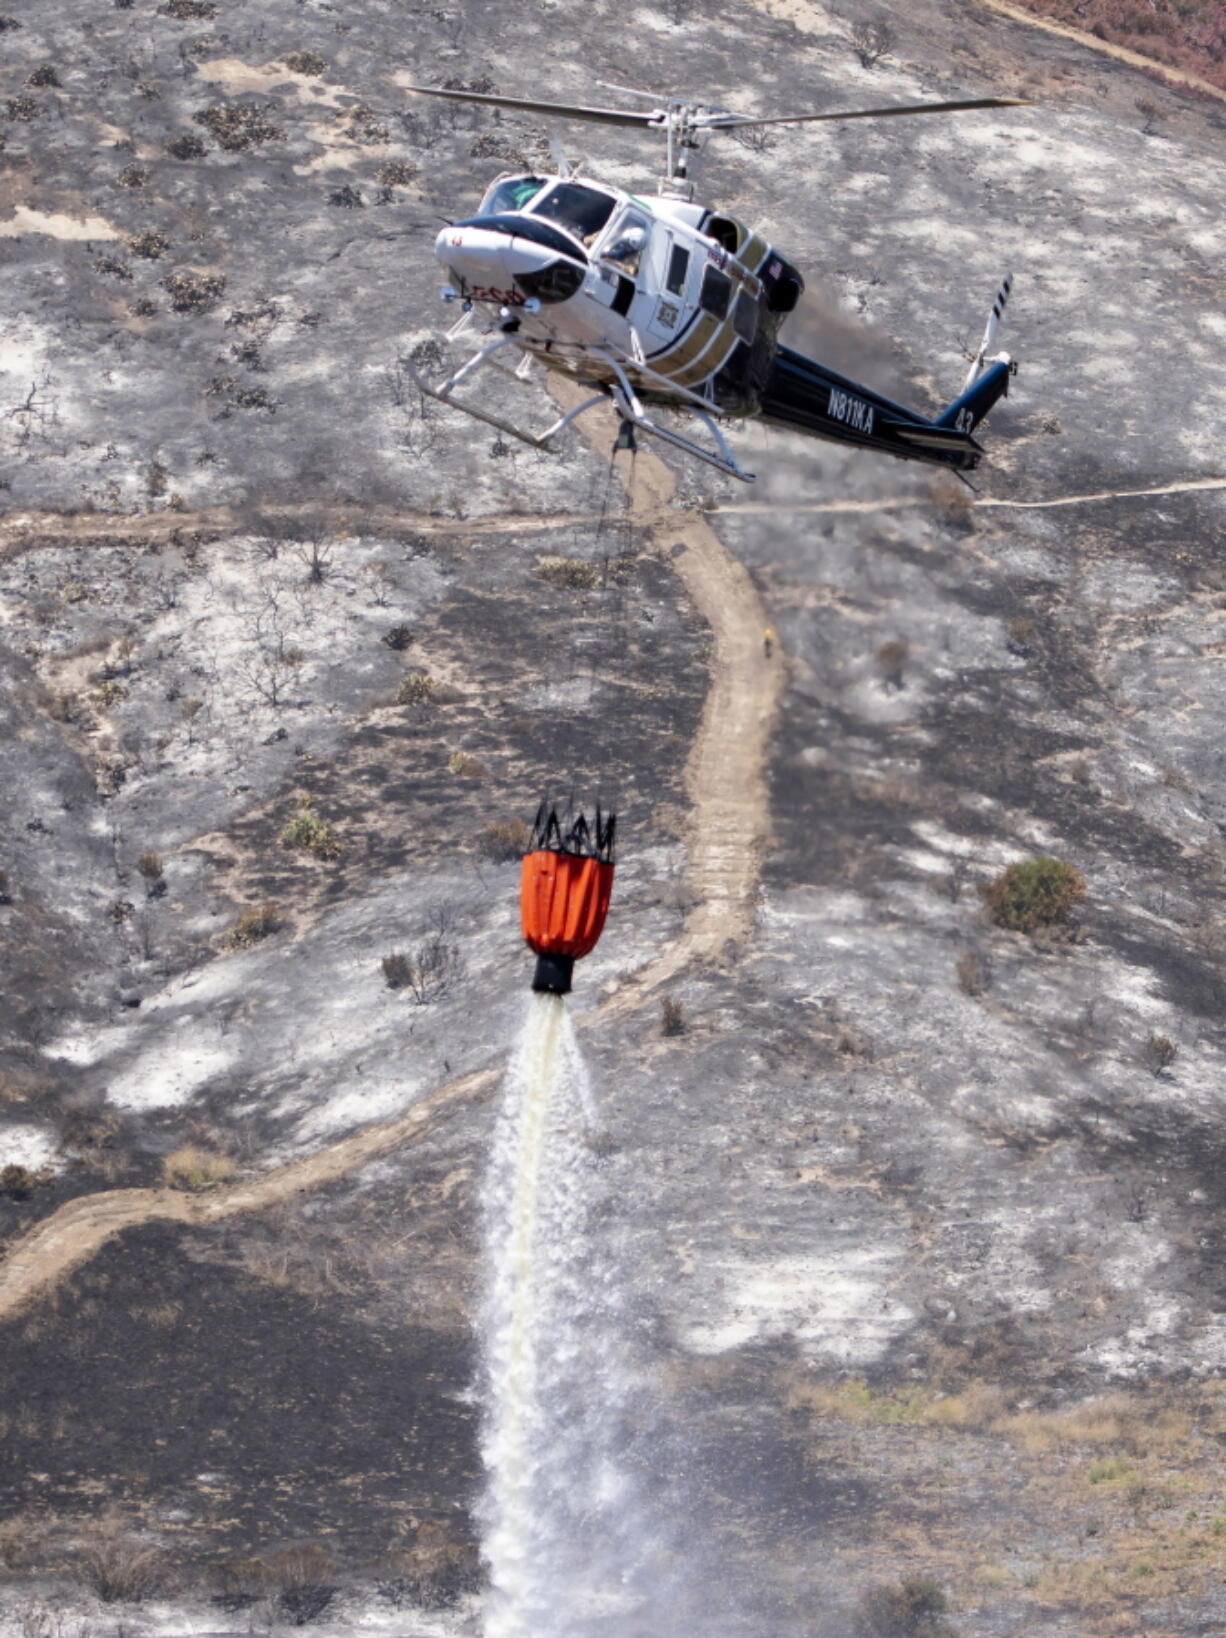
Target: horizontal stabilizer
{"x": 934, "y": 437}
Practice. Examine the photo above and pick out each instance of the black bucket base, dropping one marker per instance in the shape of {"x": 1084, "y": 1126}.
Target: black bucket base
{"x": 552, "y": 975}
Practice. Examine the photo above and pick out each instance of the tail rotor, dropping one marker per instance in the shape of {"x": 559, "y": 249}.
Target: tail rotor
{"x": 989, "y": 332}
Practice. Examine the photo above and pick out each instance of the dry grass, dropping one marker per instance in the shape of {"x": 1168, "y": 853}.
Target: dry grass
{"x": 1127, "y": 1484}
{"x": 569, "y": 573}
{"x": 505, "y": 839}
{"x": 118, "y": 1569}
{"x": 191, "y": 1166}
{"x": 256, "y": 923}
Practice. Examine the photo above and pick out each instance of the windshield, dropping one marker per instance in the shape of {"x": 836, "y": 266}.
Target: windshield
{"x": 514, "y": 193}
{"x": 584, "y": 211}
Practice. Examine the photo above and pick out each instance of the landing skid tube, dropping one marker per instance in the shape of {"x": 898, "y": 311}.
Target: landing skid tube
{"x": 621, "y": 395}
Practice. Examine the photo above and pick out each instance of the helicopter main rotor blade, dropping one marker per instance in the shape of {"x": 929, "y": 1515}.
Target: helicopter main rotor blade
{"x": 732, "y": 122}
{"x": 560, "y": 110}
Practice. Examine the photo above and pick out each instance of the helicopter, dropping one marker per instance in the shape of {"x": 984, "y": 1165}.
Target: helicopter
{"x": 659, "y": 303}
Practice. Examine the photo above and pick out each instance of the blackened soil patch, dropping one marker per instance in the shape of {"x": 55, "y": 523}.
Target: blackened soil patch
{"x": 230, "y": 1413}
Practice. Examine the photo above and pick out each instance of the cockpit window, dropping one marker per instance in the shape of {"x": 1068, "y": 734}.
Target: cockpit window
{"x": 584, "y": 211}
{"x": 516, "y": 193}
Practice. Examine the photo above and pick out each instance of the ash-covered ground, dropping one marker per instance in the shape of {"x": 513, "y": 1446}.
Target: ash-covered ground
{"x": 918, "y": 1233}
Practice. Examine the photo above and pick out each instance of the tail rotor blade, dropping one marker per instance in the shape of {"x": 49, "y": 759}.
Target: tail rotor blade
{"x": 991, "y": 327}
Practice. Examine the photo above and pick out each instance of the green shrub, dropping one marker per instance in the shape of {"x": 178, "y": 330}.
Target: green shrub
{"x": 415, "y": 689}
{"x": 1037, "y": 893}
{"x": 307, "y": 832}
{"x": 465, "y": 766}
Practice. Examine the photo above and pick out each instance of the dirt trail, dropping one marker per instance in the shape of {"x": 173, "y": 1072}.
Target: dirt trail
{"x": 726, "y": 783}
{"x": 71, "y": 1235}
{"x": 900, "y": 503}
{"x": 725, "y": 775}
{"x": 1122, "y": 54}
{"x": 22, "y": 531}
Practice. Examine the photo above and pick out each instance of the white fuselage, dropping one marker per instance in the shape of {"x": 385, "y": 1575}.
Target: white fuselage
{"x": 588, "y": 275}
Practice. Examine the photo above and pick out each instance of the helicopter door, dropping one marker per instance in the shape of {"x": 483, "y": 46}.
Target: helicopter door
{"x": 668, "y": 279}
{"x": 623, "y": 253}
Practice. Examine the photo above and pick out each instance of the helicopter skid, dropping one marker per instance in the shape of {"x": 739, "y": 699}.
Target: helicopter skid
{"x": 619, "y": 393}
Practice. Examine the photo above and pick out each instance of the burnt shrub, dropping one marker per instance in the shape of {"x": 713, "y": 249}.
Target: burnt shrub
{"x": 1037, "y": 893}
{"x": 398, "y": 638}
{"x": 6, "y": 23}
{"x": 974, "y": 973}
{"x": 17, "y": 1182}
{"x": 569, "y": 573}
{"x": 258, "y": 922}
{"x": 672, "y": 1016}
{"x": 187, "y": 146}
{"x": 395, "y": 173}
{"x": 954, "y": 503}
{"x": 22, "y": 108}
{"x": 44, "y": 74}
{"x": 910, "y": 1608}
{"x": 112, "y": 267}
{"x": 505, "y": 839}
{"x": 150, "y": 246}
{"x": 305, "y": 62}
{"x": 871, "y": 42}
{"x": 132, "y": 176}
{"x": 193, "y": 292}
{"x": 427, "y": 972}
{"x": 189, "y": 11}
{"x": 301, "y": 1605}
{"x": 238, "y": 126}
{"x": 118, "y": 1569}
{"x": 891, "y": 658}
{"x": 1160, "y": 1054}
{"x": 349, "y": 198}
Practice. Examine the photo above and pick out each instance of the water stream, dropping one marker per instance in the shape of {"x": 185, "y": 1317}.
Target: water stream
{"x": 554, "y": 1389}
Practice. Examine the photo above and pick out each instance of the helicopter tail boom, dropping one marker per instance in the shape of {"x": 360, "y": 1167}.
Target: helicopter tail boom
{"x": 970, "y": 407}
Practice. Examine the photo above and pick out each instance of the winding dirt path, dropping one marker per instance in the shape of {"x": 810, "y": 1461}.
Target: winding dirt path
{"x": 900, "y": 503}
{"x": 22, "y": 531}
{"x": 725, "y": 780}
{"x": 1105, "y": 48}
